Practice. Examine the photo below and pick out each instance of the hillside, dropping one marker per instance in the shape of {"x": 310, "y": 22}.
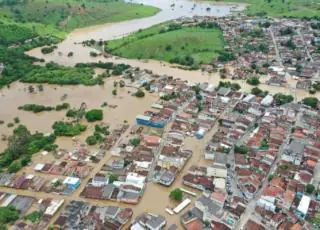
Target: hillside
{"x": 68, "y": 15}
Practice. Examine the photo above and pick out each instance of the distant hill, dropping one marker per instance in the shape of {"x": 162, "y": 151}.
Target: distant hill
{"x": 282, "y": 8}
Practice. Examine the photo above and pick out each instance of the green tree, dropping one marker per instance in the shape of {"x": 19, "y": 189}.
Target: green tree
{"x": 68, "y": 129}
{"x": 14, "y": 166}
{"x": 311, "y": 101}
{"x": 253, "y": 80}
{"x": 135, "y": 142}
{"x": 34, "y": 217}
{"x": 8, "y": 215}
{"x": 139, "y": 93}
{"x": 122, "y": 84}
{"x": 94, "y": 115}
{"x": 310, "y": 188}
{"x": 256, "y": 91}
{"x": 270, "y": 177}
{"x": 113, "y": 177}
{"x": 281, "y": 99}
{"x": 241, "y": 149}
{"x": 91, "y": 140}
{"x": 176, "y": 194}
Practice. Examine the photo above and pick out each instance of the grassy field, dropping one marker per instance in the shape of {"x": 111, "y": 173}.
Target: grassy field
{"x": 68, "y": 15}
{"x": 282, "y": 8}
{"x": 186, "y": 46}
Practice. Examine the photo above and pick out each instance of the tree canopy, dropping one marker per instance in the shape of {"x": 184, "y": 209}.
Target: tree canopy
{"x": 94, "y": 115}
{"x": 176, "y": 194}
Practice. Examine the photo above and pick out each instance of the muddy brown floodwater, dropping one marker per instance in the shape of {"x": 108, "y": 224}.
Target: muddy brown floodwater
{"x": 10, "y": 99}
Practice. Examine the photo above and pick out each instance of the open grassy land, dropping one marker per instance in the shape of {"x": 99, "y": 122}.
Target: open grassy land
{"x": 282, "y": 8}
{"x": 71, "y": 14}
{"x": 172, "y": 43}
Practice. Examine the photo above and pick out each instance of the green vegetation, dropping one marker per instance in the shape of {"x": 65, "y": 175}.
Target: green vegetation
{"x": 310, "y": 188}
{"x": 41, "y": 108}
{"x": 11, "y": 33}
{"x": 135, "y": 142}
{"x": 281, "y": 99}
{"x": 283, "y": 167}
{"x": 94, "y": 115}
{"x": 139, "y": 93}
{"x": 282, "y": 8}
{"x": 228, "y": 84}
{"x": 188, "y": 46}
{"x": 169, "y": 97}
{"x": 264, "y": 144}
{"x": 56, "y": 74}
{"x": 258, "y": 92}
{"x": 102, "y": 129}
{"x": 47, "y": 50}
{"x": 34, "y": 217}
{"x": 270, "y": 177}
{"x": 113, "y": 178}
{"x": 50, "y": 147}
{"x": 10, "y": 125}
{"x": 21, "y": 145}
{"x": 16, "y": 120}
{"x": 35, "y": 108}
{"x": 93, "y": 54}
{"x": 241, "y": 149}
{"x": 117, "y": 69}
{"x": 99, "y": 135}
{"x": 8, "y": 215}
{"x": 287, "y": 31}
{"x": 72, "y": 113}
{"x": 253, "y": 80}
{"x": 92, "y": 140}
{"x": 176, "y": 194}
{"x": 315, "y": 221}
{"x": 62, "y": 106}
{"x": 68, "y": 129}
{"x": 68, "y": 15}
{"x": 311, "y": 101}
